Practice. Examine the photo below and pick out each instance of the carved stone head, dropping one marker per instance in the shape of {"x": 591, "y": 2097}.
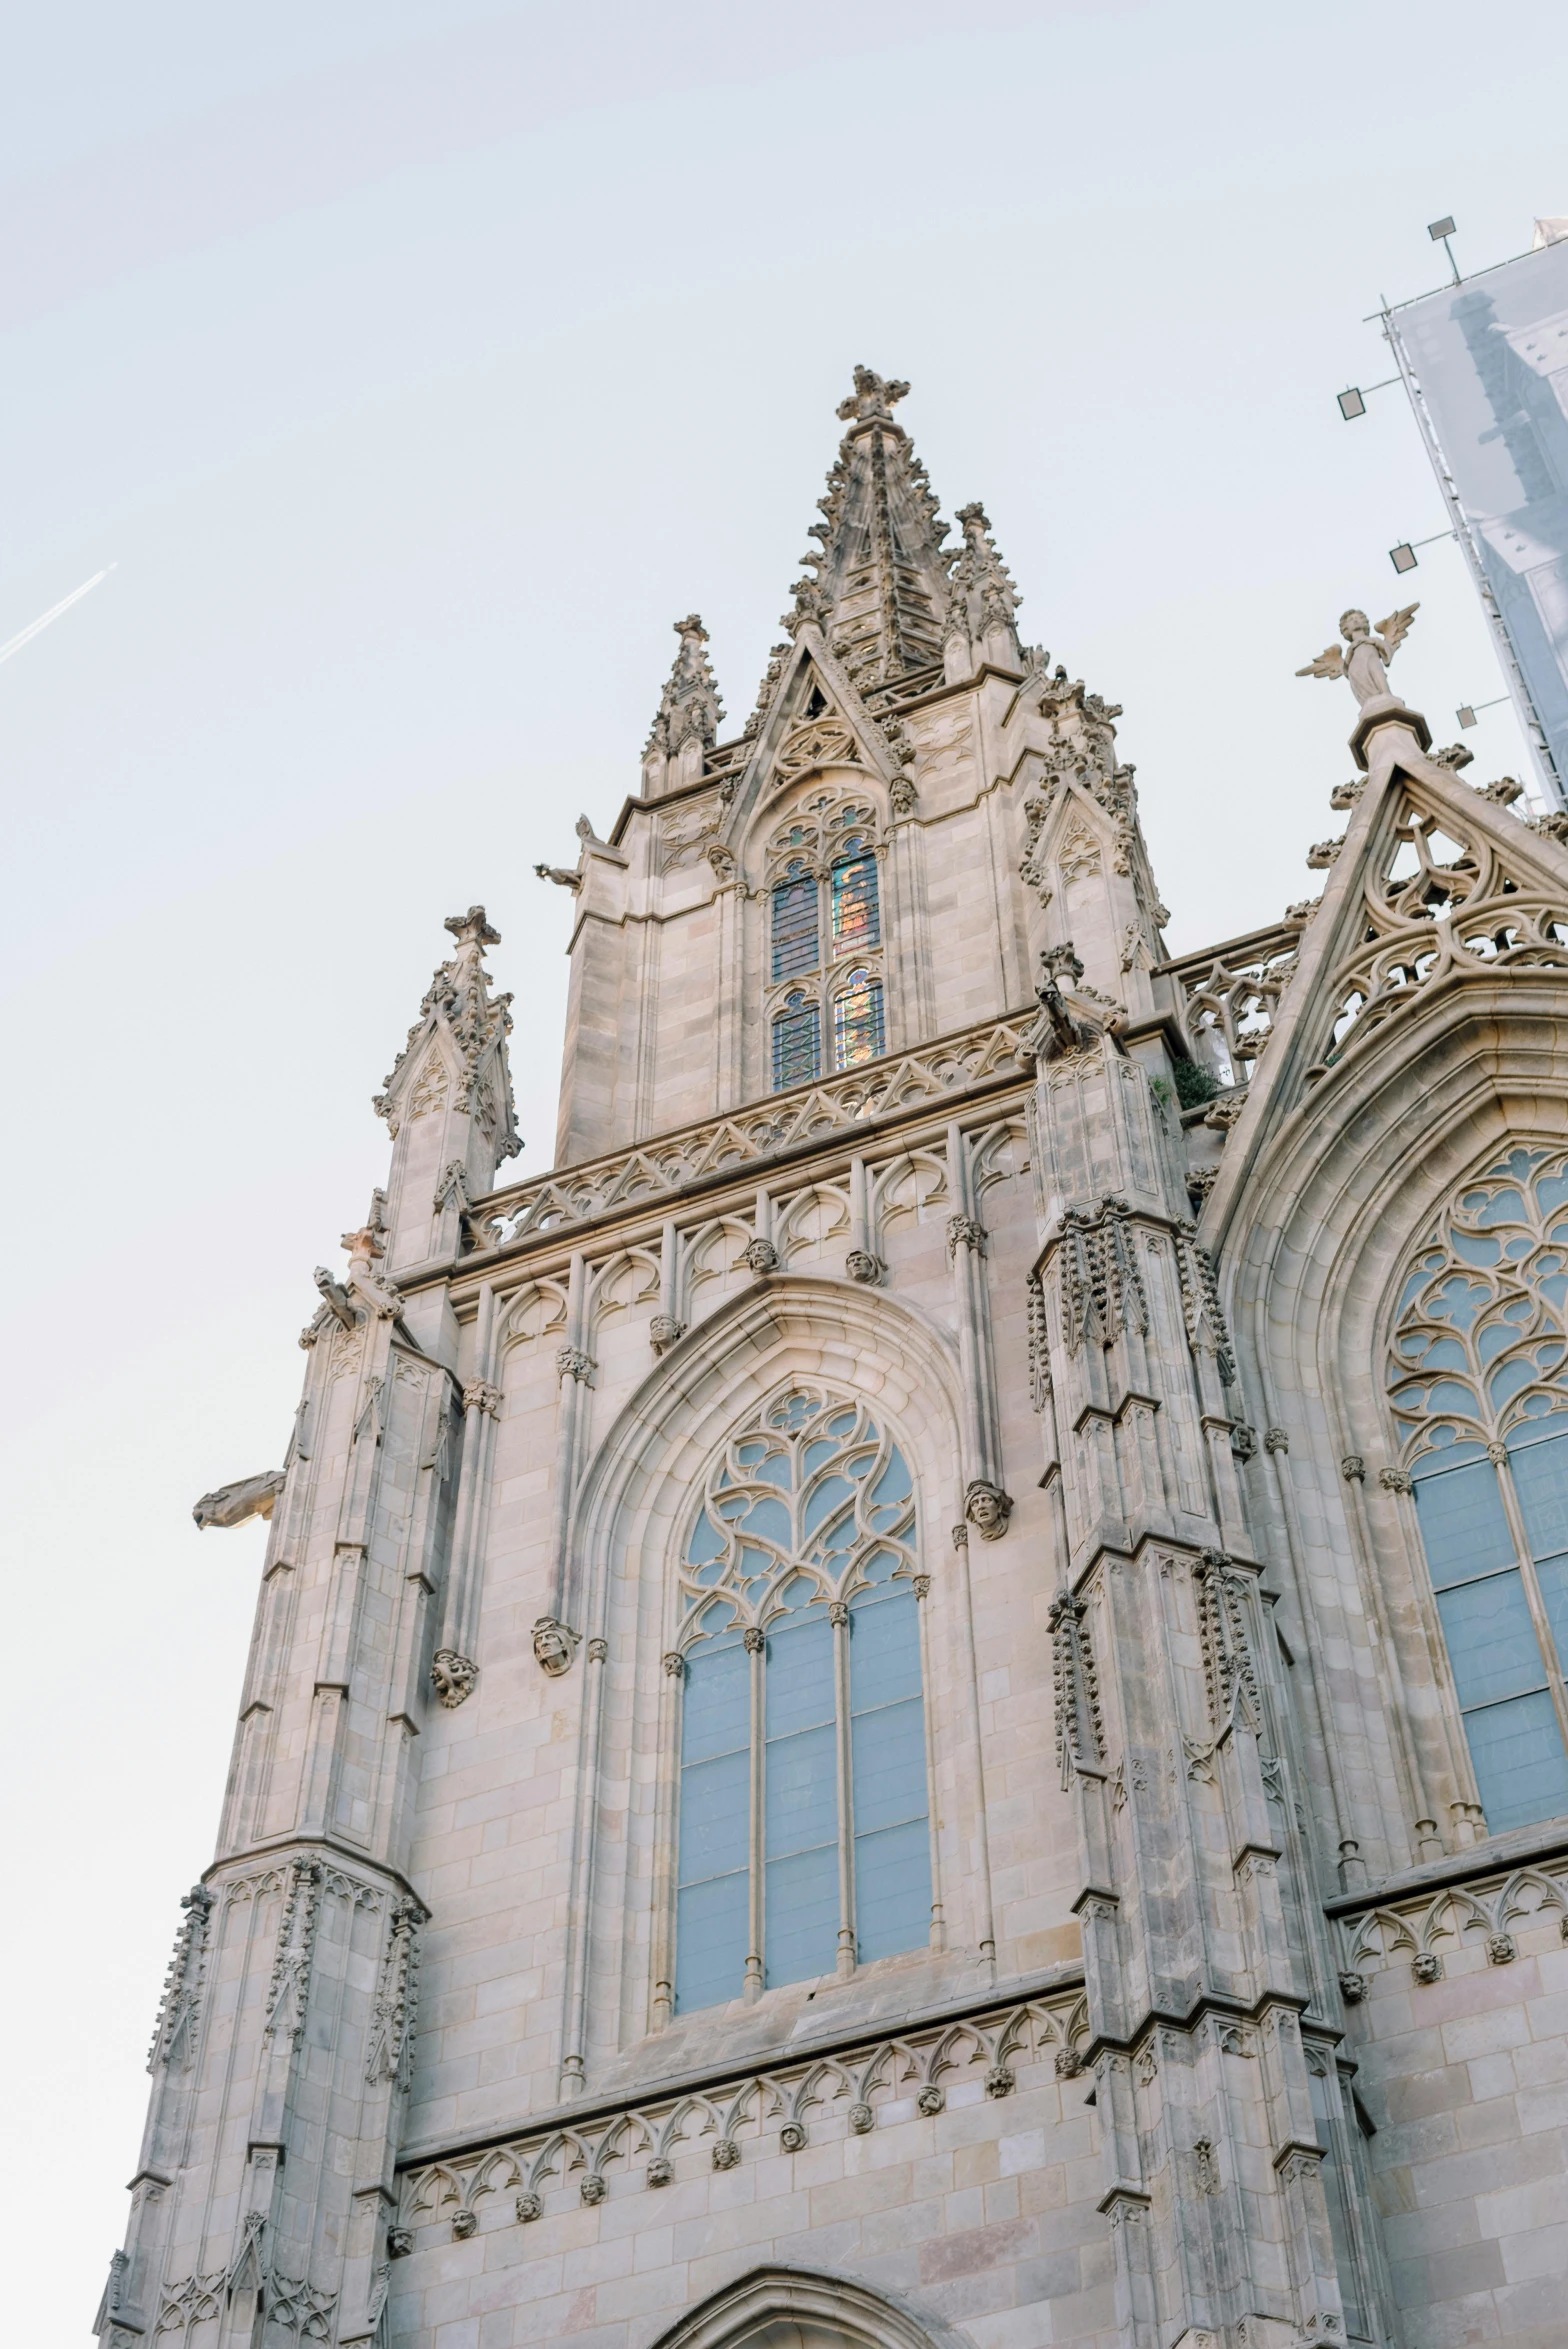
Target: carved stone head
{"x": 555, "y": 1644}
{"x": 1353, "y": 625}
{"x": 988, "y": 1509}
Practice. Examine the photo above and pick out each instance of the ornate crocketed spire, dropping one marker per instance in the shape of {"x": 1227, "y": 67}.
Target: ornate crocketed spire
{"x": 983, "y": 593}
{"x": 458, "y": 1004}
{"x": 690, "y": 709}
{"x": 880, "y": 591}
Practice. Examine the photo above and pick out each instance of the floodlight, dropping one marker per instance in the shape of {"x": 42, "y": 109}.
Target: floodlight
{"x": 1466, "y": 715}
{"x": 1403, "y": 556}
{"x": 1351, "y": 405}
{"x": 1438, "y": 229}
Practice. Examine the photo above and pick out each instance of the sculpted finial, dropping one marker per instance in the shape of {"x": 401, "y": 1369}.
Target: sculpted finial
{"x": 873, "y": 399}
{"x": 1370, "y": 651}
{"x": 471, "y": 929}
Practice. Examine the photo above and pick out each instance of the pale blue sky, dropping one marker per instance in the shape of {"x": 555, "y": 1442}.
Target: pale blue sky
{"x": 418, "y": 365}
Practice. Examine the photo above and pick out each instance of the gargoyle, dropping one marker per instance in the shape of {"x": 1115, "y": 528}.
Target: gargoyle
{"x": 236, "y": 1504}
{"x": 1069, "y": 1027}
{"x": 334, "y": 1296}
{"x": 560, "y": 876}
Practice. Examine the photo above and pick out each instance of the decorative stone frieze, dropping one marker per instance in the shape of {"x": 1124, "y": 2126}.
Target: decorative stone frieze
{"x": 641, "y": 2144}
{"x": 933, "y": 1073}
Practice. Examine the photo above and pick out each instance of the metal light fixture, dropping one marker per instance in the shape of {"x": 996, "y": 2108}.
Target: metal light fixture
{"x": 1468, "y": 712}
{"x": 1353, "y": 401}
{"x": 1466, "y": 715}
{"x": 1403, "y": 556}
{"x": 1440, "y": 231}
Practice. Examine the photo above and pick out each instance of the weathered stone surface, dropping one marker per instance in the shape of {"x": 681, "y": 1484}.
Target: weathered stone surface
{"x": 1232, "y": 2021}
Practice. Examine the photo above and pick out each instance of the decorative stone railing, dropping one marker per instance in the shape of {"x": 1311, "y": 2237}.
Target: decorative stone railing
{"x": 767, "y": 1130}
{"x": 1232, "y": 992}
{"x": 846, "y": 2093}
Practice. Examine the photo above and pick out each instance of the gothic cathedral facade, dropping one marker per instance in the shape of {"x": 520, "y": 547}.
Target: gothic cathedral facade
{"x": 920, "y": 1699}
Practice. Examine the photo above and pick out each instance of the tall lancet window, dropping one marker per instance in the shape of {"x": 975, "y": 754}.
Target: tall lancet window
{"x": 824, "y": 952}
{"x": 1478, "y": 1388}
{"x": 804, "y": 1812}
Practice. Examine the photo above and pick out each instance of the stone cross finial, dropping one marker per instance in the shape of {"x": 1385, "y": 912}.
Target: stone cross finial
{"x": 691, "y": 626}
{"x": 471, "y": 929}
{"x": 873, "y": 399}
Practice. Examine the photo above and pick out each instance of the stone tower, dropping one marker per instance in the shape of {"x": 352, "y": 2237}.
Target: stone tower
{"x": 919, "y": 1699}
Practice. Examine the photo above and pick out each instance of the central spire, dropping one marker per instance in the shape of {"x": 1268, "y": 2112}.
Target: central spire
{"x": 880, "y": 591}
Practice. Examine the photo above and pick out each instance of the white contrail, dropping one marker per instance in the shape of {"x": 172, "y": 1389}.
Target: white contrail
{"x": 75, "y": 597}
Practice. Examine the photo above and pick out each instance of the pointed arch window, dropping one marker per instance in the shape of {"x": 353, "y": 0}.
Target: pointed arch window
{"x": 804, "y": 1832}
{"x": 1478, "y": 1381}
{"x": 857, "y": 1021}
{"x": 795, "y": 921}
{"x": 797, "y": 1040}
{"x": 826, "y": 918}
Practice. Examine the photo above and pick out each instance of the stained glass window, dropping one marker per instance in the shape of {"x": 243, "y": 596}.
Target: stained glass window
{"x": 857, "y": 1020}
{"x": 795, "y": 947}
{"x": 1476, "y": 1382}
{"x": 804, "y": 1812}
{"x": 856, "y": 919}
{"x": 797, "y": 1041}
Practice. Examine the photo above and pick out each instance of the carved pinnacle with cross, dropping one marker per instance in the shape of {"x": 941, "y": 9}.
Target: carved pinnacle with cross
{"x": 873, "y": 400}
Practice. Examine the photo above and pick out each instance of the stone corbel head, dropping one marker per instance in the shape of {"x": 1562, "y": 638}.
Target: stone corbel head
{"x": 453, "y": 1677}
{"x": 555, "y": 1644}
{"x": 987, "y": 1508}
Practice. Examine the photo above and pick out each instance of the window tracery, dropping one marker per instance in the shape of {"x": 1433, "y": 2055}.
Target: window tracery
{"x": 804, "y": 1808}
{"x": 1476, "y": 1384}
{"x": 825, "y": 1007}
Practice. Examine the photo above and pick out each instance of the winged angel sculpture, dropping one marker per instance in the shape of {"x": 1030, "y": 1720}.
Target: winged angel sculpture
{"x": 1366, "y": 661}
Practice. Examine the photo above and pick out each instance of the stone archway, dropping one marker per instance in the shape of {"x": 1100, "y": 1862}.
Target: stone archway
{"x": 796, "y": 2308}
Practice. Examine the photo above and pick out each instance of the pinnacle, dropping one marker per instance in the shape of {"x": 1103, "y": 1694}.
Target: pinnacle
{"x": 689, "y": 708}
{"x": 880, "y": 586}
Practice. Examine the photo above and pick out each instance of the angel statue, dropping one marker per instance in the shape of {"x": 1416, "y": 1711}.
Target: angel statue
{"x": 1371, "y": 650}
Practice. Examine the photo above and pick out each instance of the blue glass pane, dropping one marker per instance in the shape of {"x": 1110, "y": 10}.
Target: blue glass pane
{"x": 802, "y": 1915}
{"x": 1520, "y": 1766}
{"x": 1463, "y": 1523}
{"x": 710, "y": 1942}
{"x": 715, "y": 1804}
{"x": 892, "y": 1495}
{"x": 768, "y": 1520}
{"x": 1553, "y": 1578}
{"x": 1491, "y": 1640}
{"x": 829, "y": 1495}
{"x": 799, "y": 1682}
{"x": 706, "y": 1542}
{"x": 795, "y": 927}
{"x": 802, "y": 1793}
{"x": 884, "y": 1650}
{"x": 716, "y": 1714}
{"x": 797, "y": 1047}
{"x": 892, "y": 1891}
{"x": 888, "y": 1757}
{"x": 1541, "y": 1481}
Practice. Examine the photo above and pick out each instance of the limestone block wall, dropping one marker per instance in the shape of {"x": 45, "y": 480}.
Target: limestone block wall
{"x": 893, "y": 2164}
{"x": 543, "y": 1824}
{"x": 1459, "y": 2033}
